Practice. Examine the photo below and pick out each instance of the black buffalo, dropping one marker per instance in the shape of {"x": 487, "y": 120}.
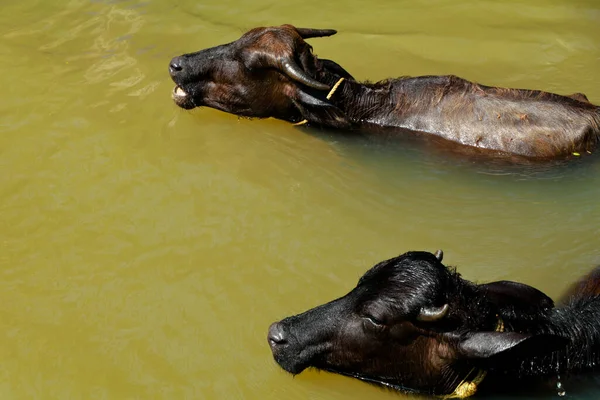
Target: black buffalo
{"x": 415, "y": 325}
{"x": 272, "y": 72}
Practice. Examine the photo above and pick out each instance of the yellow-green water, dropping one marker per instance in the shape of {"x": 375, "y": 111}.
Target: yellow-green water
{"x": 144, "y": 250}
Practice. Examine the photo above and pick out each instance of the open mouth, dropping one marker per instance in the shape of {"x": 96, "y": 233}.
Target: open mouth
{"x": 179, "y": 93}
{"x": 182, "y": 98}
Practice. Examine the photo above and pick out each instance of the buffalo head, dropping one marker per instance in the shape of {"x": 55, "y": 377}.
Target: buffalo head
{"x": 415, "y": 325}
{"x": 268, "y": 72}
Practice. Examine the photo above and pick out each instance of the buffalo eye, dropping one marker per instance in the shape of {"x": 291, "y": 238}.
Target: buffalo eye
{"x": 373, "y": 323}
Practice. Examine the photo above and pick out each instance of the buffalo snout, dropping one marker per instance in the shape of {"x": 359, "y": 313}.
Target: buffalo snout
{"x": 285, "y": 348}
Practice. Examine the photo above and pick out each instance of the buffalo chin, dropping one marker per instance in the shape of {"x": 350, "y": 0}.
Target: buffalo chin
{"x": 289, "y": 365}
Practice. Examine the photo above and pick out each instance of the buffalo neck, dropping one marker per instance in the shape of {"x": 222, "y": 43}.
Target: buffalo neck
{"x": 579, "y": 321}
{"x": 361, "y": 103}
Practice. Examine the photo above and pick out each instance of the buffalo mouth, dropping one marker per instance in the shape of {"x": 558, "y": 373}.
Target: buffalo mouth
{"x": 182, "y": 98}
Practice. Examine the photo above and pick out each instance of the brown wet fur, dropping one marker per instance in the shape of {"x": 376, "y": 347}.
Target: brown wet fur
{"x": 529, "y": 123}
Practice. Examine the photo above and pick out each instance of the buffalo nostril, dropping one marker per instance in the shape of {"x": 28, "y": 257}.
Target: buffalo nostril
{"x": 175, "y": 65}
{"x": 277, "y": 335}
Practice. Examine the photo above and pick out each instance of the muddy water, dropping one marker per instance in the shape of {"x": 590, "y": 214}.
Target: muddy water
{"x": 144, "y": 250}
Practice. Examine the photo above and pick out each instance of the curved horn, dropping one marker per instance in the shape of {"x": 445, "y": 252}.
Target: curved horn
{"x": 429, "y": 314}
{"x": 439, "y": 254}
{"x": 307, "y": 33}
{"x": 293, "y": 71}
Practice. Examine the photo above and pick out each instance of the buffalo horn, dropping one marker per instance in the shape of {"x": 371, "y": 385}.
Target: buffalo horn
{"x": 429, "y": 314}
{"x": 293, "y": 71}
{"x": 307, "y": 33}
{"x": 439, "y": 255}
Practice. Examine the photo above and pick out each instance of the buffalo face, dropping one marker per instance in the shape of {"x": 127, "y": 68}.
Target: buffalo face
{"x": 268, "y": 72}
{"x": 377, "y": 331}
{"x": 255, "y": 76}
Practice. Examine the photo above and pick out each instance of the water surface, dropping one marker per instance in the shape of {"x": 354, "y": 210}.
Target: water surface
{"x": 144, "y": 250}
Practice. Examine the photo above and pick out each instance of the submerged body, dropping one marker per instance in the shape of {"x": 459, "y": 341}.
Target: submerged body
{"x": 415, "y": 325}
{"x": 271, "y": 72}
{"x": 523, "y": 122}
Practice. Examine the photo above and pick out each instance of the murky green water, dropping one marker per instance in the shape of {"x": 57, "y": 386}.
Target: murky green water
{"x": 144, "y": 250}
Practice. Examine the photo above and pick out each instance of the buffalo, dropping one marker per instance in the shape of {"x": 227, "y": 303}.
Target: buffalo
{"x": 415, "y": 325}
{"x": 272, "y": 72}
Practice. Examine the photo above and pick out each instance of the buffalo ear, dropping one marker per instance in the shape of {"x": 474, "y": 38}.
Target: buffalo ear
{"x": 308, "y": 33}
{"x": 319, "y": 112}
{"x": 336, "y": 68}
{"x": 517, "y": 296}
{"x": 486, "y": 345}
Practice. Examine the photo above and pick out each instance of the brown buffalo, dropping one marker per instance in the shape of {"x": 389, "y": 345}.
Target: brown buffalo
{"x": 272, "y": 72}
